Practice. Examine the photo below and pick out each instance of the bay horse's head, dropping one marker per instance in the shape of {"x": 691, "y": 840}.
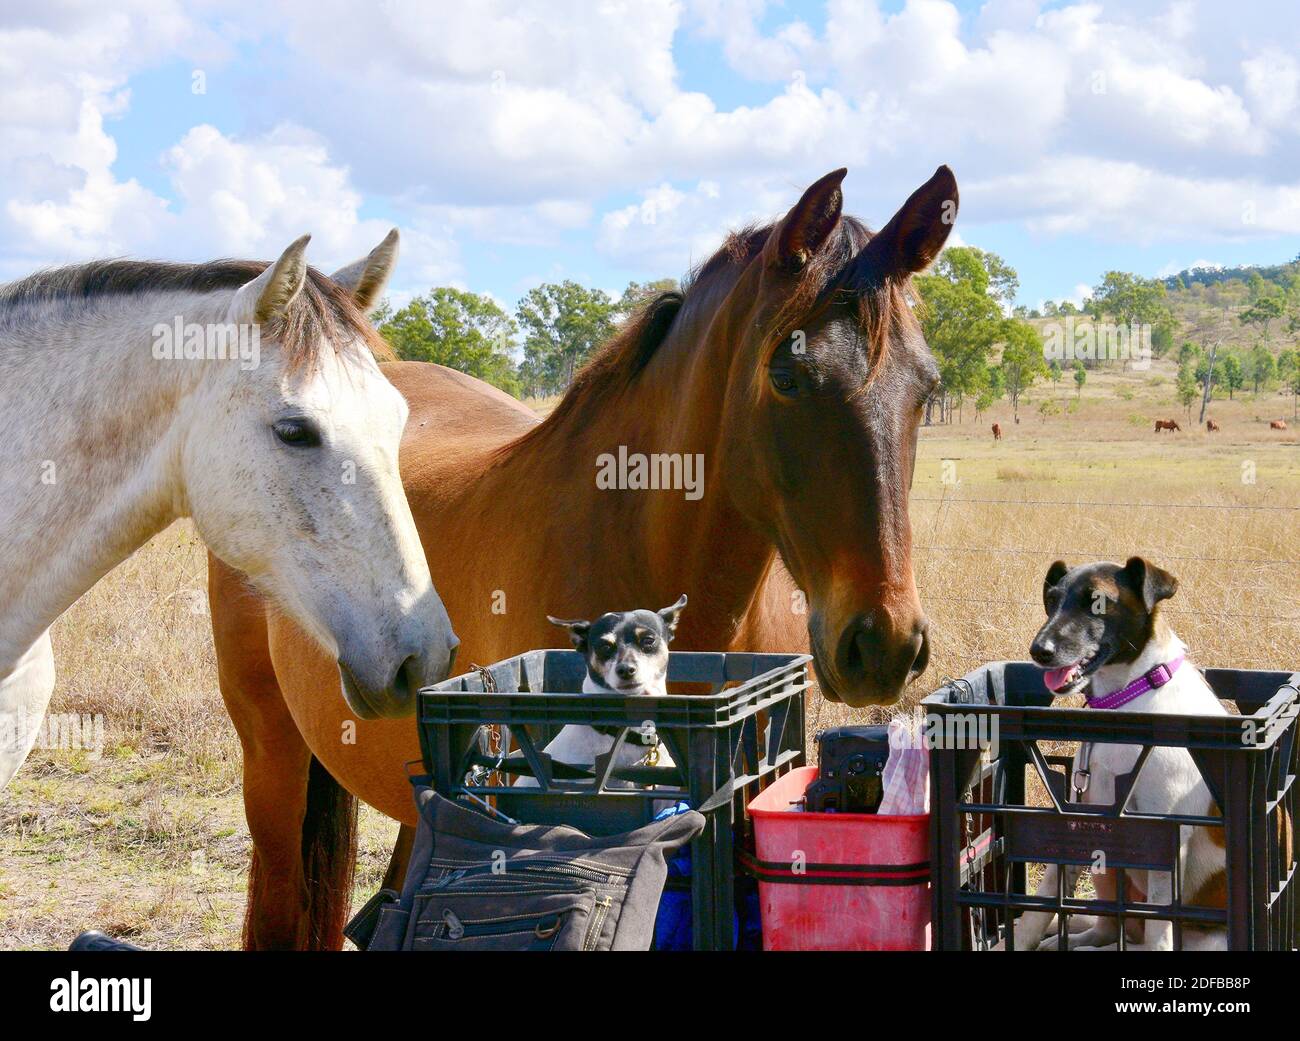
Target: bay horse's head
{"x": 828, "y": 376}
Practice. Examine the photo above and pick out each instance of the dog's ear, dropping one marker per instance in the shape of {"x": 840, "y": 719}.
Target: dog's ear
{"x": 670, "y": 615}
{"x": 1151, "y": 583}
{"x": 578, "y": 630}
{"x": 1055, "y": 573}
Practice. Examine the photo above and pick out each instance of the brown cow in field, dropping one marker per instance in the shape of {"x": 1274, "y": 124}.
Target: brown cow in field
{"x": 1167, "y": 424}
{"x": 997, "y": 431}
{"x": 1211, "y": 426}
{"x": 1277, "y": 424}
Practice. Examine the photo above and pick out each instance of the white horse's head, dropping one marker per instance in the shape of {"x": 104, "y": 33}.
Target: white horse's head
{"x": 290, "y": 473}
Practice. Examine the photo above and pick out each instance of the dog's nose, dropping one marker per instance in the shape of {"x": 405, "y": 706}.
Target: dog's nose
{"x": 625, "y": 669}
{"x": 1042, "y": 650}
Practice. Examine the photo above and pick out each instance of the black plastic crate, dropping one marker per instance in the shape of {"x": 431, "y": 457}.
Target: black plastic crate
{"x": 984, "y": 833}
{"x": 740, "y": 726}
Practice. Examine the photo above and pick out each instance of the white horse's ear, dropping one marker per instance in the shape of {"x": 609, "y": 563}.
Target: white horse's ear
{"x": 270, "y": 293}
{"x": 365, "y": 278}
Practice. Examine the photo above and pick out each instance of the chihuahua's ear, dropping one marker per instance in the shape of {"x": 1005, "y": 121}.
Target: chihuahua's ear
{"x": 1055, "y": 573}
{"x": 670, "y": 615}
{"x": 578, "y": 629}
{"x": 1151, "y": 583}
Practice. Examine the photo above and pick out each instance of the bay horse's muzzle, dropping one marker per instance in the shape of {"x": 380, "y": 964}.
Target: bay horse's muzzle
{"x": 874, "y": 660}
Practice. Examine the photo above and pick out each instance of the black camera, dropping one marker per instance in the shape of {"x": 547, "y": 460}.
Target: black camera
{"x": 850, "y": 771}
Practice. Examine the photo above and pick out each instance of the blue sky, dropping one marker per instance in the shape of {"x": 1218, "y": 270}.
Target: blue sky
{"x": 516, "y": 142}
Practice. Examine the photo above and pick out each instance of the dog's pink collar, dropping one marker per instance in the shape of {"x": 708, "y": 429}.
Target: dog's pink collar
{"x": 1157, "y": 677}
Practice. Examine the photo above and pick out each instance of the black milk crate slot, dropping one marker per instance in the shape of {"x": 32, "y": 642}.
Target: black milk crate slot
{"x": 984, "y": 832}
{"x": 738, "y": 723}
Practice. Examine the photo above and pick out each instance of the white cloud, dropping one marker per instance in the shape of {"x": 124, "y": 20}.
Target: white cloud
{"x": 1175, "y": 267}
{"x": 667, "y": 230}
{"x": 65, "y": 79}
{"x": 1272, "y": 79}
{"x": 792, "y": 48}
{"x": 518, "y": 122}
{"x": 1128, "y": 202}
{"x": 63, "y": 73}
{"x": 256, "y": 196}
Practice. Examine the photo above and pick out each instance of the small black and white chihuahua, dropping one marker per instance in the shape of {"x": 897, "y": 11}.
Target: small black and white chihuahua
{"x": 626, "y": 653}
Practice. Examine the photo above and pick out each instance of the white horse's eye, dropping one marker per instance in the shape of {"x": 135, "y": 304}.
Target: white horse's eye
{"x": 297, "y": 433}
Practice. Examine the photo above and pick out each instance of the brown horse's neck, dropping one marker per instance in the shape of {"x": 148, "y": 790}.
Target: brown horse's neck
{"x": 647, "y": 539}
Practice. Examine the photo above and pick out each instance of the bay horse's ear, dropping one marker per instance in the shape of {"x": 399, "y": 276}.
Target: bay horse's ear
{"x": 805, "y": 229}
{"x": 365, "y": 278}
{"x": 270, "y": 293}
{"x": 578, "y": 630}
{"x": 916, "y": 233}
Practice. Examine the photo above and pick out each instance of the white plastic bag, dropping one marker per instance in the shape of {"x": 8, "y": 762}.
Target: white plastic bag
{"x": 906, "y": 780}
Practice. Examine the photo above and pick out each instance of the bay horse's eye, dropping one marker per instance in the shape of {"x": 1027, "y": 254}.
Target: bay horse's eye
{"x": 297, "y": 433}
{"x": 784, "y": 383}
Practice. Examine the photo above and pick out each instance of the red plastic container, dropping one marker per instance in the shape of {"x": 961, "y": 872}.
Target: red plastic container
{"x": 839, "y": 881}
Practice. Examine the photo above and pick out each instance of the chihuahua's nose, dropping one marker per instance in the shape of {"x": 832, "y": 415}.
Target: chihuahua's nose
{"x": 625, "y": 669}
{"x": 1042, "y": 650}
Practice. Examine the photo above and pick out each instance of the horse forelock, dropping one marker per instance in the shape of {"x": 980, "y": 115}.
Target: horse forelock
{"x": 322, "y": 311}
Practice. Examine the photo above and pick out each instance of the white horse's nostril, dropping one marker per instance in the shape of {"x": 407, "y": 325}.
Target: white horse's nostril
{"x": 409, "y": 679}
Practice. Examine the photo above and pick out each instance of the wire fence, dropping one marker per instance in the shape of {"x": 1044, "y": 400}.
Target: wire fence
{"x": 1035, "y": 605}
{"x": 1081, "y": 503}
{"x": 1109, "y": 553}
{"x": 997, "y": 608}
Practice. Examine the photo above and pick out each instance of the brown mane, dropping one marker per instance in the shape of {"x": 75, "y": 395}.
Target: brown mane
{"x": 882, "y": 304}
{"x": 322, "y": 311}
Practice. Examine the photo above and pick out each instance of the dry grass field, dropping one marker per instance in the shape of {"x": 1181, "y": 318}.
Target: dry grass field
{"x": 148, "y": 841}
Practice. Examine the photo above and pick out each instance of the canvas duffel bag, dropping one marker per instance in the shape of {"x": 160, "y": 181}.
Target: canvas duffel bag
{"x": 479, "y": 884}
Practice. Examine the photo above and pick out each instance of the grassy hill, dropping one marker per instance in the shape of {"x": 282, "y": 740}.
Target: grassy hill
{"x": 1208, "y": 304}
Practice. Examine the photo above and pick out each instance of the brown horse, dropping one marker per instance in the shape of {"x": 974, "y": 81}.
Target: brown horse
{"x": 790, "y": 368}
{"x": 997, "y": 431}
{"x": 1277, "y": 424}
{"x": 1167, "y": 424}
{"x": 1211, "y": 427}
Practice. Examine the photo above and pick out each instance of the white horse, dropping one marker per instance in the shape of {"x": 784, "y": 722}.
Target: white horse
{"x": 243, "y": 395}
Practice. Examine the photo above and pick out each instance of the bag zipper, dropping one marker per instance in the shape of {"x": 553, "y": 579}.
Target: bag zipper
{"x": 533, "y": 866}
{"x": 597, "y": 922}
{"x": 543, "y": 926}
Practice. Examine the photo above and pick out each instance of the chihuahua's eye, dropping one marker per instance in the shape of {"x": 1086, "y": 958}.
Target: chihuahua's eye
{"x": 648, "y": 644}
{"x": 297, "y": 433}
{"x": 784, "y": 383}
{"x": 604, "y": 648}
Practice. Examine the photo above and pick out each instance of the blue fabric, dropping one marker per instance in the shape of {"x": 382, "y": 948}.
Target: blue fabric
{"x": 673, "y": 922}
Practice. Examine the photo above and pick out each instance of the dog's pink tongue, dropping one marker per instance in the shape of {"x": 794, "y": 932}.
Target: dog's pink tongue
{"x": 1055, "y": 679}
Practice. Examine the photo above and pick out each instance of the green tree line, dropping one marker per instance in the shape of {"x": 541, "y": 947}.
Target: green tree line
{"x": 986, "y": 348}
{"x": 533, "y": 352}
